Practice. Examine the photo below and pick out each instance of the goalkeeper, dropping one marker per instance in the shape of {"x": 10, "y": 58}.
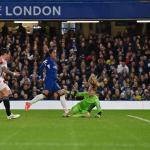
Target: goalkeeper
{"x": 90, "y": 100}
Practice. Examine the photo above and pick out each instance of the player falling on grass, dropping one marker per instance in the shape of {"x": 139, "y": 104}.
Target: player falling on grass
{"x": 5, "y": 91}
{"x": 90, "y": 100}
{"x": 51, "y": 85}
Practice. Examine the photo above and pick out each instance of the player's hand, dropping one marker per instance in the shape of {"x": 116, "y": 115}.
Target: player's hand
{"x": 73, "y": 93}
{"x": 16, "y": 74}
{"x": 64, "y": 91}
{"x": 68, "y": 92}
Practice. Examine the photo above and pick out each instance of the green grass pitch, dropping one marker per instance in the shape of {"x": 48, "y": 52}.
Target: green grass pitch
{"x": 48, "y": 130}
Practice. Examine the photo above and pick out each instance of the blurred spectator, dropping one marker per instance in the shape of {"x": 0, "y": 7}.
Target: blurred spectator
{"x": 122, "y": 68}
{"x": 5, "y": 30}
{"x": 121, "y": 63}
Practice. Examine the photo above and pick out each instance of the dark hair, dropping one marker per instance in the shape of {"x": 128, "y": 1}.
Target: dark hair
{"x": 51, "y": 50}
{"x": 4, "y": 51}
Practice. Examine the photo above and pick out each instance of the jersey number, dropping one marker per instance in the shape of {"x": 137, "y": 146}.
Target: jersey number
{"x": 45, "y": 62}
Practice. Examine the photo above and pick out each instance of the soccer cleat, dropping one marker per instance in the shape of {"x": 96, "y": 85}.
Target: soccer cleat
{"x": 13, "y": 116}
{"x": 66, "y": 113}
{"x": 27, "y": 106}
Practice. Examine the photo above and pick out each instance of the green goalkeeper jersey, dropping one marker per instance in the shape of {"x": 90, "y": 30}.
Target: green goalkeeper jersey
{"x": 89, "y": 102}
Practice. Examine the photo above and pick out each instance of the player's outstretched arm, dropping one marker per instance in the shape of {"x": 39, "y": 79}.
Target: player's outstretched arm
{"x": 7, "y": 71}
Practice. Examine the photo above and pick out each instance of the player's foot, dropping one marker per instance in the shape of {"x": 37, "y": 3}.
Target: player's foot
{"x": 13, "y": 116}
{"x": 99, "y": 115}
{"x": 27, "y": 106}
{"x": 66, "y": 113}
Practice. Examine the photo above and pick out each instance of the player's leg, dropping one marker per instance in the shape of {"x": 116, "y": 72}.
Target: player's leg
{"x": 0, "y": 100}
{"x": 46, "y": 93}
{"x": 74, "y": 110}
{"x": 5, "y": 93}
{"x": 62, "y": 93}
{"x": 4, "y": 90}
{"x": 49, "y": 88}
{"x": 84, "y": 115}
{"x": 7, "y": 105}
{"x": 8, "y": 111}
{"x": 36, "y": 99}
{"x": 1, "y": 96}
{"x": 81, "y": 113}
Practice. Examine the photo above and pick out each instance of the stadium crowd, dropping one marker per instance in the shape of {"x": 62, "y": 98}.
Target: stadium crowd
{"x": 121, "y": 63}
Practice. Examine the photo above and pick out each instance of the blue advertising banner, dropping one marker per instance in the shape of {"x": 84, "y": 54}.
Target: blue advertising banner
{"x": 78, "y": 9}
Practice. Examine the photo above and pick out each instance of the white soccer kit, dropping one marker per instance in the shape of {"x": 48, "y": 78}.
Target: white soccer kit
{"x": 2, "y": 83}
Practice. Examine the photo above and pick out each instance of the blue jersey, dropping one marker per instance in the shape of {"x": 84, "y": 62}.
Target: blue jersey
{"x": 51, "y": 74}
{"x": 51, "y": 69}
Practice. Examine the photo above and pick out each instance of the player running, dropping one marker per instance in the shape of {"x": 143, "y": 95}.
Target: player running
{"x": 5, "y": 91}
{"x": 90, "y": 100}
{"x": 51, "y": 85}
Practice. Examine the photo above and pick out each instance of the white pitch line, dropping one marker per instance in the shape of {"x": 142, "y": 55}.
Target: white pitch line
{"x": 139, "y": 118}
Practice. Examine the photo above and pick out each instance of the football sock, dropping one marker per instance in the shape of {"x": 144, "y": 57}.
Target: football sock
{"x": 37, "y": 98}
{"x": 7, "y": 106}
{"x": 63, "y": 102}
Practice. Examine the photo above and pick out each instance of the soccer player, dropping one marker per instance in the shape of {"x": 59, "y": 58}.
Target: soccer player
{"x": 90, "y": 100}
{"x": 5, "y": 91}
{"x": 51, "y": 85}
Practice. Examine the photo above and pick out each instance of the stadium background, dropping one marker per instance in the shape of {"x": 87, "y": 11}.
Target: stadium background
{"x": 83, "y": 48}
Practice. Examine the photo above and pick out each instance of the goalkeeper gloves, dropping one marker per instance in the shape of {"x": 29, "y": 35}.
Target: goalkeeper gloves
{"x": 72, "y": 93}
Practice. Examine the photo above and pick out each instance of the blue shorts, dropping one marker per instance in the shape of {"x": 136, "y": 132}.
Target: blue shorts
{"x": 52, "y": 86}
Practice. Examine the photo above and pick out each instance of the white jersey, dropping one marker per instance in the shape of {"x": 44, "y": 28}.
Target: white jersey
{"x": 3, "y": 85}
{"x": 2, "y": 64}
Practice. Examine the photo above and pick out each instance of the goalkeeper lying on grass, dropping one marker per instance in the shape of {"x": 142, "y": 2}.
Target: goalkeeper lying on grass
{"x": 90, "y": 100}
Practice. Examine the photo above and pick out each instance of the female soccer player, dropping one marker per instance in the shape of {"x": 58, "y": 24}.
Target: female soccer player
{"x": 90, "y": 100}
{"x": 51, "y": 85}
{"x": 5, "y": 91}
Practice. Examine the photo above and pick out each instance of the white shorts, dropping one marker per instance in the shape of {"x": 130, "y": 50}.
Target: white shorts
{"x": 3, "y": 85}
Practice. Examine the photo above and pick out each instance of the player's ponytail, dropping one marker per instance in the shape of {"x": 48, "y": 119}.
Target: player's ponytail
{"x": 93, "y": 81}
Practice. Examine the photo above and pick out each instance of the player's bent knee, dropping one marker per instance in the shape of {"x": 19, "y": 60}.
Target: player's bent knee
{"x": 5, "y": 93}
{"x": 87, "y": 115}
{"x": 46, "y": 93}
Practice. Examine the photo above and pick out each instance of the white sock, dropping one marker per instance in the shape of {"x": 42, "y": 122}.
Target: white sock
{"x": 37, "y": 98}
{"x": 63, "y": 102}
